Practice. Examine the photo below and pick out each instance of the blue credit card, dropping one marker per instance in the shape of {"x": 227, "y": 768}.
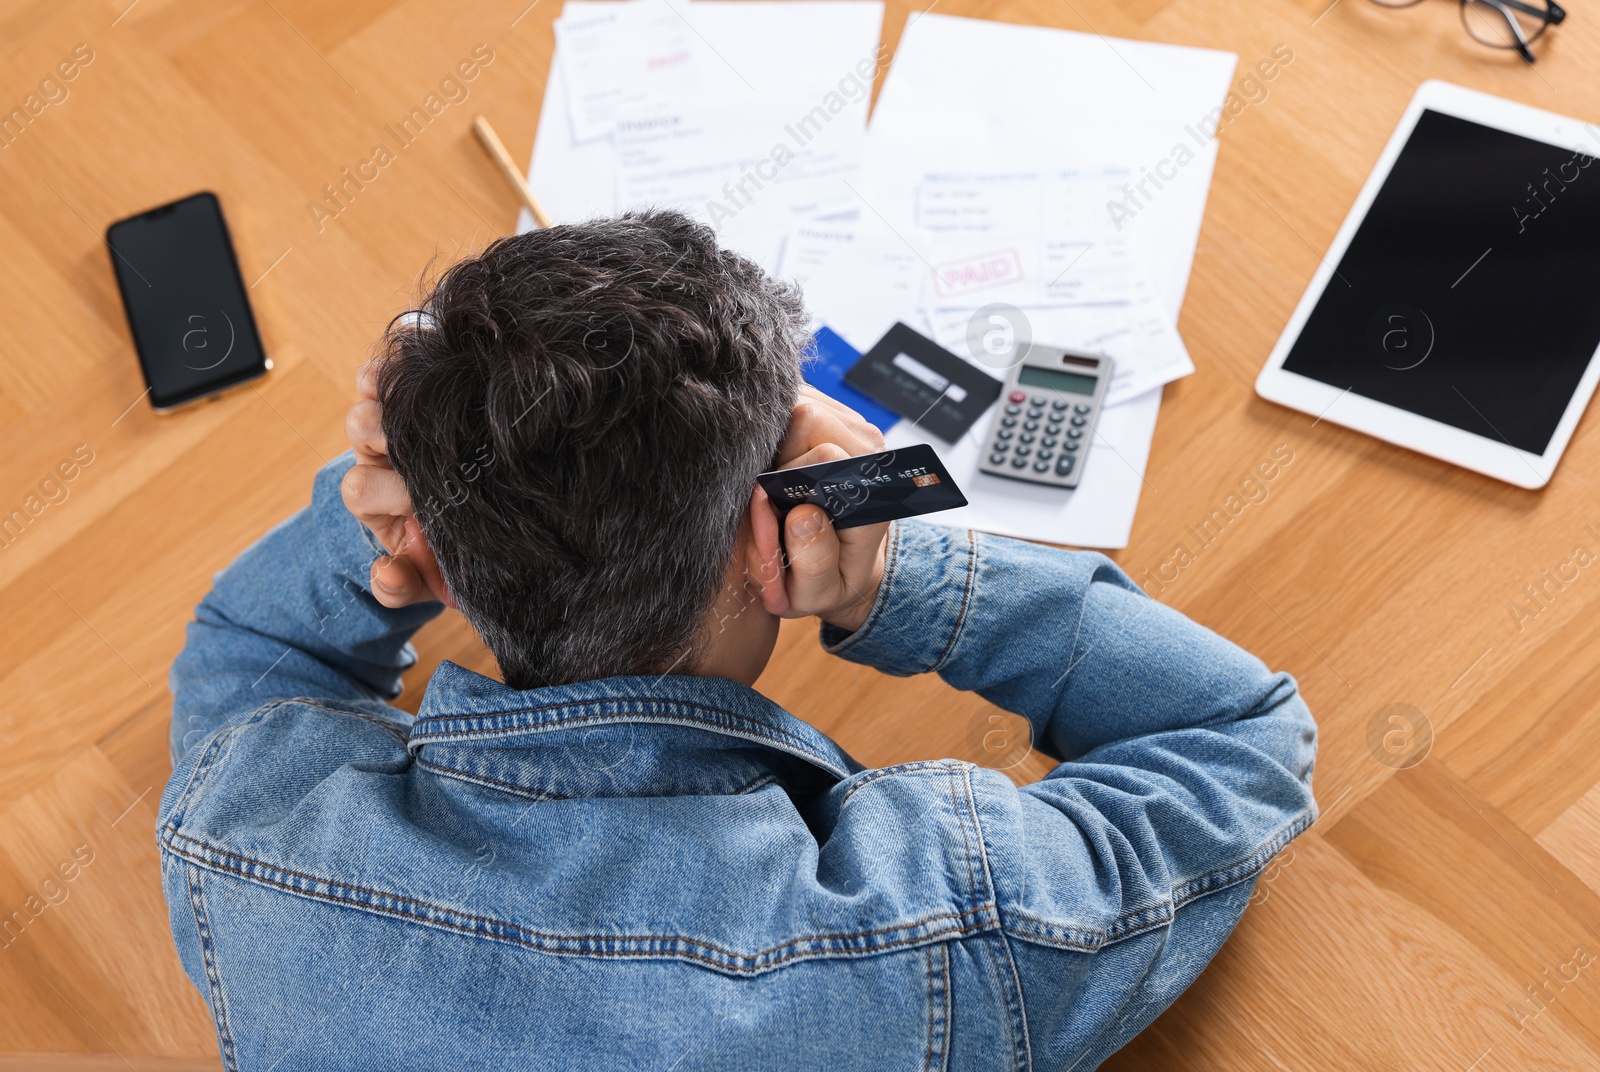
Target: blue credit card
{"x": 824, "y": 366}
{"x": 868, "y": 489}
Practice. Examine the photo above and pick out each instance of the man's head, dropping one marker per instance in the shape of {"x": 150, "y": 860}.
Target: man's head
{"x": 579, "y": 415}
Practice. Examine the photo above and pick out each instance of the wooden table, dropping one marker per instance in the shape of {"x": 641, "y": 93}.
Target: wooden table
{"x": 1430, "y": 920}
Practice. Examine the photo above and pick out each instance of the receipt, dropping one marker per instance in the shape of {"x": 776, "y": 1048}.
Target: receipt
{"x": 616, "y": 55}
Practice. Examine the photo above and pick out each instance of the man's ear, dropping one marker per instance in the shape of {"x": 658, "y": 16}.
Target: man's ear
{"x": 764, "y": 554}
{"x": 420, "y": 554}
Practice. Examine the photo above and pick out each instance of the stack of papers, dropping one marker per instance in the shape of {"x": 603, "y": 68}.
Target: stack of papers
{"x": 750, "y": 117}
{"x": 1011, "y": 176}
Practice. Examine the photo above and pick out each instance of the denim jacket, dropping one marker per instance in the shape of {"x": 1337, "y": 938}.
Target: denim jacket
{"x": 674, "y": 872}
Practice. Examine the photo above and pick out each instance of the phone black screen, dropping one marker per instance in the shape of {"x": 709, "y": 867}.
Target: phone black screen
{"x": 186, "y": 303}
{"x": 1467, "y": 295}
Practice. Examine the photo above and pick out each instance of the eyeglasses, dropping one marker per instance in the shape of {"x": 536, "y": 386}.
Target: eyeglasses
{"x": 1503, "y": 23}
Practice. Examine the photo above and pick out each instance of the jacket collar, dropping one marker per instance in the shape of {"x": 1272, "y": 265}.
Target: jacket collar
{"x": 464, "y": 709}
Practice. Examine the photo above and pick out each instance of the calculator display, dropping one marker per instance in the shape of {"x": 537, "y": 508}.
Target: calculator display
{"x": 1030, "y": 376}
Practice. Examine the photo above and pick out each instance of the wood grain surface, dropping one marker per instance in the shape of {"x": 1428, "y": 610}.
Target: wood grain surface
{"x": 1441, "y": 915}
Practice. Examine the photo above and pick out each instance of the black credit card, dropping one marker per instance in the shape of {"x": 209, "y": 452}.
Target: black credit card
{"x": 923, "y": 382}
{"x": 868, "y": 489}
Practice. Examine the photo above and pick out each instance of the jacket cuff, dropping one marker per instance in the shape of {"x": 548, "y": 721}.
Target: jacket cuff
{"x": 922, "y": 603}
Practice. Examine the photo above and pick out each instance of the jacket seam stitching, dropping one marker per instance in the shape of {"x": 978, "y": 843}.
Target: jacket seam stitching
{"x": 989, "y": 891}
{"x": 312, "y": 703}
{"x": 913, "y": 767}
{"x": 1003, "y": 992}
{"x": 973, "y": 891}
{"x": 195, "y": 777}
{"x": 417, "y": 729}
{"x": 1020, "y": 1012}
{"x": 743, "y": 724}
{"x": 488, "y": 782}
{"x": 212, "y": 755}
{"x": 213, "y": 976}
{"x": 966, "y": 597}
{"x": 540, "y": 794}
{"x": 1019, "y": 1009}
{"x": 760, "y": 781}
{"x": 1129, "y": 924}
{"x": 947, "y": 1000}
{"x": 1250, "y": 865}
{"x": 731, "y": 955}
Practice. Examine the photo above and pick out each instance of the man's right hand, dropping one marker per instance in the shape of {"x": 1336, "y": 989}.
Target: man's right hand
{"x": 376, "y": 495}
{"x": 817, "y": 570}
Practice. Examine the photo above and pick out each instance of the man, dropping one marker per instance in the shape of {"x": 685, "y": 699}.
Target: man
{"x": 623, "y": 856}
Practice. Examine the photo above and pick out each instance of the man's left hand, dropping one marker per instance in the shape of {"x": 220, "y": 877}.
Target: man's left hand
{"x": 376, "y": 495}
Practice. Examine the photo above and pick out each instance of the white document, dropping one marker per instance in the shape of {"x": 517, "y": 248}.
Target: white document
{"x": 750, "y": 170}
{"x": 1026, "y": 269}
{"x": 1056, "y": 203}
{"x": 859, "y": 278}
{"x": 1093, "y": 297}
{"x": 763, "y": 50}
{"x": 620, "y": 54}
{"x": 1039, "y": 101}
{"x": 1147, "y": 350}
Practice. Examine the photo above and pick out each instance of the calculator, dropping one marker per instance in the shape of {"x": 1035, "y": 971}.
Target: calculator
{"x": 1046, "y": 417}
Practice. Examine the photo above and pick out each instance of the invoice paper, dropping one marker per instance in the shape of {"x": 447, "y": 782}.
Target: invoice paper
{"x": 760, "y": 51}
{"x": 1033, "y": 100}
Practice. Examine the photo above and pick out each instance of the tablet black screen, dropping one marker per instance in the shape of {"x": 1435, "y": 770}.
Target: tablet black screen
{"x": 1470, "y": 293}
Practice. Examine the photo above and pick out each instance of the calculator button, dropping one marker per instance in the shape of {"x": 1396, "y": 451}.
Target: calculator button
{"x": 1056, "y": 418}
{"x": 1018, "y": 396}
{"x": 1008, "y": 422}
{"x": 1035, "y": 414}
{"x": 1046, "y": 455}
{"x": 1012, "y": 411}
{"x": 1000, "y": 446}
{"x": 1041, "y": 467}
{"x": 1048, "y": 440}
{"x": 1037, "y": 400}
{"x": 1023, "y": 452}
{"x": 1075, "y": 433}
{"x": 997, "y": 459}
{"x": 1059, "y": 404}
{"x": 1004, "y": 433}
{"x": 1025, "y": 437}
{"x": 1071, "y": 444}
{"x": 1080, "y": 409}
{"x": 1079, "y": 422}
{"x": 1064, "y": 466}
{"x": 1030, "y": 426}
{"x": 1019, "y": 463}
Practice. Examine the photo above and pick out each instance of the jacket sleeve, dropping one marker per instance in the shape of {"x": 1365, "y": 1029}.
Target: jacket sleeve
{"x": 1187, "y": 762}
{"x": 292, "y": 617}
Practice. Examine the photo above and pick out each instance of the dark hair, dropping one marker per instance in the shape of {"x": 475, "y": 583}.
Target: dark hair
{"x": 579, "y": 414}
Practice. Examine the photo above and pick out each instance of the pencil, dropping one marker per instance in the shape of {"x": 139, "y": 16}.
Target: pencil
{"x": 497, "y": 152}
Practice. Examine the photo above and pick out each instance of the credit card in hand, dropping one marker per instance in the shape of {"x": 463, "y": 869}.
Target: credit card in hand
{"x": 868, "y": 489}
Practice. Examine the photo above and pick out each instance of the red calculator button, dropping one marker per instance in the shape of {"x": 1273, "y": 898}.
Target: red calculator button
{"x": 1018, "y": 396}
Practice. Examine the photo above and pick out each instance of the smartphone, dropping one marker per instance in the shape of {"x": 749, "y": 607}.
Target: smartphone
{"x": 186, "y": 303}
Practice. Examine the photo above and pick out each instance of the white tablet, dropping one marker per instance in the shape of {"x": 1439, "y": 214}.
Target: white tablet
{"x": 1457, "y": 312}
